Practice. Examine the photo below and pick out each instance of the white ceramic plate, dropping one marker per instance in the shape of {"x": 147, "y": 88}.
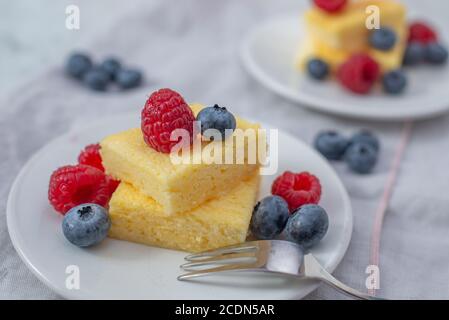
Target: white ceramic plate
{"x": 268, "y": 53}
{"x": 117, "y": 269}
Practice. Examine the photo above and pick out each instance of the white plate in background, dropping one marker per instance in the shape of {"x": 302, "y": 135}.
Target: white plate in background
{"x": 268, "y": 53}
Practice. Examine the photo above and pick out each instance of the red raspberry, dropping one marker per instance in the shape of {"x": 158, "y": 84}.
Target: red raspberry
{"x": 112, "y": 183}
{"x": 297, "y": 188}
{"x": 359, "y": 73}
{"x": 73, "y": 185}
{"x": 330, "y": 6}
{"x": 422, "y": 33}
{"x": 91, "y": 156}
{"x": 165, "y": 111}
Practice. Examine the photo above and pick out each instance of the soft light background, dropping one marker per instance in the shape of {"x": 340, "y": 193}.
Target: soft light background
{"x": 192, "y": 45}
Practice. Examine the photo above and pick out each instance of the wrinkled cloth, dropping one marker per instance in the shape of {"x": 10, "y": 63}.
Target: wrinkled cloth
{"x": 193, "y": 47}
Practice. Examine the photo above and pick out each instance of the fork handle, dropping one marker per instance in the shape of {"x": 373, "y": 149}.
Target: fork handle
{"x": 316, "y": 271}
{"x": 330, "y": 280}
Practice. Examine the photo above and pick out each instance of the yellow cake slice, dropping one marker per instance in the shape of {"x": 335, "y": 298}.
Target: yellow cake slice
{"x": 335, "y": 37}
{"x": 219, "y": 222}
{"x": 176, "y": 187}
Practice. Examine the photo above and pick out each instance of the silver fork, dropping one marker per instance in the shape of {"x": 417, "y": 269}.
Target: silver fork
{"x": 275, "y": 256}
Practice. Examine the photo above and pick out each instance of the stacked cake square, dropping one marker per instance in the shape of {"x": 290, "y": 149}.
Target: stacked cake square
{"x": 334, "y": 37}
{"x": 184, "y": 206}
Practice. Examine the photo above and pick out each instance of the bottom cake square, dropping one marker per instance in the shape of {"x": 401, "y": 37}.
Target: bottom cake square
{"x": 218, "y": 222}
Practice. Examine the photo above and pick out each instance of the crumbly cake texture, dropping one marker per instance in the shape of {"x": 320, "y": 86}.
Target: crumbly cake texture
{"x": 176, "y": 187}
{"x": 219, "y": 222}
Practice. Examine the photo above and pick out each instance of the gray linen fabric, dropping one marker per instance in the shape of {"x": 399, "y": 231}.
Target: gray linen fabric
{"x": 192, "y": 46}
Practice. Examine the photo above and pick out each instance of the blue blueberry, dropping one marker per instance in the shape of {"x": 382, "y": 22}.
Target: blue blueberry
{"x": 86, "y": 225}
{"x": 269, "y": 217}
{"x": 318, "y": 69}
{"x": 435, "y": 53}
{"x": 129, "y": 78}
{"x": 383, "y": 39}
{"x": 331, "y": 144}
{"x": 414, "y": 54}
{"x": 394, "y": 82}
{"x": 217, "y": 118}
{"x": 307, "y": 225}
{"x": 78, "y": 65}
{"x": 96, "y": 79}
{"x": 361, "y": 157}
{"x": 111, "y": 66}
{"x": 365, "y": 136}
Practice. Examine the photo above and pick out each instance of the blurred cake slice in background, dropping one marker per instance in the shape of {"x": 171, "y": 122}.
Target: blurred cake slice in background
{"x": 334, "y": 37}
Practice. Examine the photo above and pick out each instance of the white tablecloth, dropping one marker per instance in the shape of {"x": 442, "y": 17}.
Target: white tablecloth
{"x": 192, "y": 46}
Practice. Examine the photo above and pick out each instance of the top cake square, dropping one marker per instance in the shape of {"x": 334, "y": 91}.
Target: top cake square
{"x": 176, "y": 187}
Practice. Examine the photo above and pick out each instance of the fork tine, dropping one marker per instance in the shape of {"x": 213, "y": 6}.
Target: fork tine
{"x": 217, "y": 259}
{"x": 205, "y": 272}
{"x": 247, "y": 246}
